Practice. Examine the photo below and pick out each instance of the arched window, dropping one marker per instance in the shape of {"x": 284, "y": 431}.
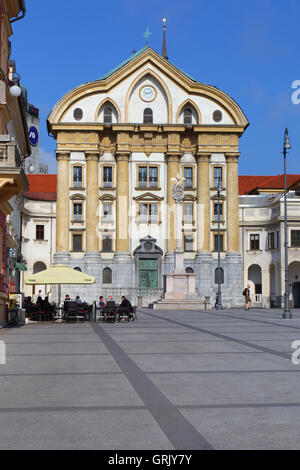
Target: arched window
{"x": 107, "y": 116}
{"x": 217, "y": 276}
{"x": 38, "y": 267}
{"x": 148, "y": 116}
{"x": 189, "y": 270}
{"x": 187, "y": 116}
{"x": 107, "y": 276}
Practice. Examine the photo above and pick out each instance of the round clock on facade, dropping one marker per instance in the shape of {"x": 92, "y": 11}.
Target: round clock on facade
{"x": 148, "y": 93}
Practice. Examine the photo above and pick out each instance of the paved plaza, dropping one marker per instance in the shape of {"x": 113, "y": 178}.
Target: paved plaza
{"x": 171, "y": 380}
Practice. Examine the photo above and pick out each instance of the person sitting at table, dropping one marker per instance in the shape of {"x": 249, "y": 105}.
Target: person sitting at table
{"x": 126, "y": 307}
{"x": 101, "y": 301}
{"x": 28, "y": 305}
{"x": 78, "y": 300}
{"x": 67, "y": 297}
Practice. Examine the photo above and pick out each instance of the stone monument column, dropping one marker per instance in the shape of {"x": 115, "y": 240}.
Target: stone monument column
{"x": 92, "y": 203}
{"x": 62, "y": 254}
{"x": 173, "y": 171}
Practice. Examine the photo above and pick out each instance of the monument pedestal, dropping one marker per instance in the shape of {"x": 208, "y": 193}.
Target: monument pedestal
{"x": 180, "y": 289}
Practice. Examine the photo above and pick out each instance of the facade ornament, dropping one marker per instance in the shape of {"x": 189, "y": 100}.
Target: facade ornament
{"x": 178, "y": 188}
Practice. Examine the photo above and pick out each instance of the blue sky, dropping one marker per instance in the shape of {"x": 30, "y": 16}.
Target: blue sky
{"x": 250, "y": 50}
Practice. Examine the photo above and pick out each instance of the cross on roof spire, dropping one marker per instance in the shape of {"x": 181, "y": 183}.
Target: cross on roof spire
{"x": 147, "y": 34}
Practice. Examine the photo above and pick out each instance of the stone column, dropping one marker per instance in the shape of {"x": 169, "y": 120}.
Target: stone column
{"x": 234, "y": 264}
{"x": 232, "y": 192}
{"x": 122, "y": 205}
{"x": 173, "y": 171}
{"x": 92, "y": 202}
{"x": 203, "y": 204}
{"x": 204, "y": 261}
{"x": 62, "y": 207}
{"x": 265, "y": 280}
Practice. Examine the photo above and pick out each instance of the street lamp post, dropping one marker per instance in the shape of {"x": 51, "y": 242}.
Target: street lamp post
{"x": 219, "y": 301}
{"x": 287, "y": 313}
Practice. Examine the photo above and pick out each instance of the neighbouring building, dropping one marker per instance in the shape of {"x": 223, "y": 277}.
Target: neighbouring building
{"x": 121, "y": 141}
{"x": 32, "y": 164}
{"x": 14, "y": 147}
{"x": 38, "y": 227}
{"x": 261, "y": 219}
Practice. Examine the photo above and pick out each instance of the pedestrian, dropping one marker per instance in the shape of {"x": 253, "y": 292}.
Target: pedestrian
{"x": 217, "y": 299}
{"x": 246, "y": 294}
{"x": 126, "y": 307}
{"x": 101, "y": 301}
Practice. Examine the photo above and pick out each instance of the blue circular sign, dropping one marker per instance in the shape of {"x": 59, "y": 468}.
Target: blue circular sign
{"x": 33, "y": 135}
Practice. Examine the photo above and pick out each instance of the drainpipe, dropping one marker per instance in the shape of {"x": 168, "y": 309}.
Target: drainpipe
{"x": 23, "y": 9}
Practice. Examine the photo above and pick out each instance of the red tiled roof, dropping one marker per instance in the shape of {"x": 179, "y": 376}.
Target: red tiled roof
{"x": 41, "y": 187}
{"x": 249, "y": 183}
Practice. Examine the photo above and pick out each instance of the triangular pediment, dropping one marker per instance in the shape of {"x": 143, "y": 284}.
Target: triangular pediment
{"x": 127, "y": 74}
{"x": 148, "y": 197}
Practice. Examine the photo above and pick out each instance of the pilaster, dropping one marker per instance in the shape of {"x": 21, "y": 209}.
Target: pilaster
{"x": 232, "y": 192}
{"x": 62, "y": 203}
{"x": 122, "y": 204}
{"x": 92, "y": 202}
{"x": 203, "y": 203}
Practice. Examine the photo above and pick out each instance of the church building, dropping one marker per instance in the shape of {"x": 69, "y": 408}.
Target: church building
{"x": 121, "y": 142}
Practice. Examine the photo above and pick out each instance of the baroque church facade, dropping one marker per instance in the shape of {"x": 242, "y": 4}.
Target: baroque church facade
{"x": 121, "y": 142}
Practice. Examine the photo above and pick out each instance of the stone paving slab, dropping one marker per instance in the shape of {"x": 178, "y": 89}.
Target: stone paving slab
{"x": 248, "y": 428}
{"x": 78, "y": 429}
{"x": 171, "y": 380}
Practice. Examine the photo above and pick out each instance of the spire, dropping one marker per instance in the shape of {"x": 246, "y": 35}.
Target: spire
{"x": 164, "y": 50}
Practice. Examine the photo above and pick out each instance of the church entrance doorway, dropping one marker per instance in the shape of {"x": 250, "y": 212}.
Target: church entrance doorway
{"x": 296, "y": 294}
{"x": 148, "y": 273}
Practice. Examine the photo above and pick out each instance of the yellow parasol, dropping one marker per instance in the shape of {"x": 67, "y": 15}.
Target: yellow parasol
{"x": 59, "y": 274}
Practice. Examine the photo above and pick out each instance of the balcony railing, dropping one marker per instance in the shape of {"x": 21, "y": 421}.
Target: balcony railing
{"x": 9, "y": 154}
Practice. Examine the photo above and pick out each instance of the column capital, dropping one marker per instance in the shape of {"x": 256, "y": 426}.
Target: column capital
{"x": 122, "y": 157}
{"x": 173, "y": 157}
{"x": 232, "y": 157}
{"x": 91, "y": 156}
{"x": 63, "y": 155}
{"x": 203, "y": 157}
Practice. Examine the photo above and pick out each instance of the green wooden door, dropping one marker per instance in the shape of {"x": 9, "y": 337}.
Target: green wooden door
{"x": 148, "y": 273}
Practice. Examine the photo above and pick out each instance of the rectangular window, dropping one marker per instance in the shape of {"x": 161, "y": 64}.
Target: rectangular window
{"x": 153, "y": 213}
{"x": 148, "y": 213}
{"x": 216, "y": 243}
{"x": 107, "y": 212}
{"x": 142, "y": 176}
{"x": 271, "y": 241}
{"x": 188, "y": 242}
{"x": 40, "y": 232}
{"x": 77, "y": 176}
{"x": 218, "y": 209}
{"x": 153, "y": 177}
{"x": 107, "y": 176}
{"x": 147, "y": 176}
{"x": 188, "y": 213}
{"x": 77, "y": 211}
{"x": 188, "y": 177}
{"x": 295, "y": 237}
{"x": 77, "y": 242}
{"x": 254, "y": 242}
{"x": 218, "y": 175}
{"x": 107, "y": 244}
